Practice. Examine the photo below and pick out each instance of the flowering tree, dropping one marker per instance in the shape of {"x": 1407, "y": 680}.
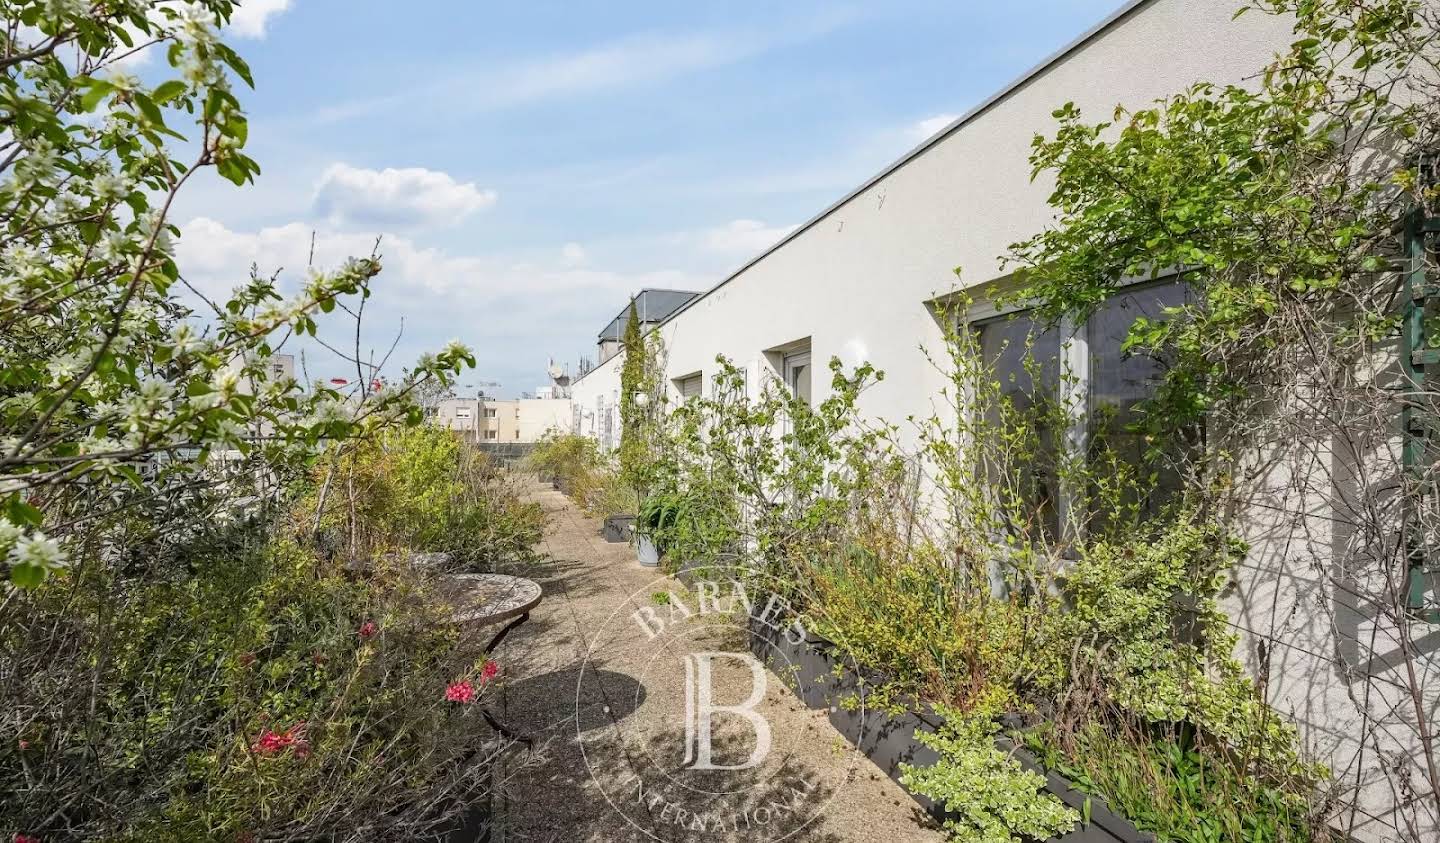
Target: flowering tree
{"x": 175, "y": 659}
{"x": 112, "y": 391}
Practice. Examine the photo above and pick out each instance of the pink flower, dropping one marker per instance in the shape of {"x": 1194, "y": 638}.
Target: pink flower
{"x": 24, "y": 744}
{"x": 461, "y": 692}
{"x": 25, "y": 838}
{"x": 489, "y": 670}
{"x": 368, "y": 629}
{"x": 271, "y": 742}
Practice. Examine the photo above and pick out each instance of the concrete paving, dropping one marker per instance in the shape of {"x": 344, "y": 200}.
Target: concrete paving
{"x": 610, "y": 677}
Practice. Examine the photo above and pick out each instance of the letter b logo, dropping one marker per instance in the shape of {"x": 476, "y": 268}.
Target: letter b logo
{"x": 700, "y": 709}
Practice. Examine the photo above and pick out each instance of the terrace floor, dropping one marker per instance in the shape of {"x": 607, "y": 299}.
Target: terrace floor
{"x": 606, "y": 705}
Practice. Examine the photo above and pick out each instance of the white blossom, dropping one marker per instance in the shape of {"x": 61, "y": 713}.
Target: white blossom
{"x": 113, "y": 247}
{"x": 153, "y": 391}
{"x": 226, "y": 382}
{"x": 56, "y": 9}
{"x": 66, "y": 367}
{"x": 329, "y": 411}
{"x": 69, "y": 206}
{"x": 184, "y": 338}
{"x": 24, "y": 261}
{"x": 9, "y": 535}
{"x": 153, "y": 225}
{"x": 38, "y": 549}
{"x": 229, "y": 432}
{"x": 124, "y": 81}
{"x": 109, "y": 187}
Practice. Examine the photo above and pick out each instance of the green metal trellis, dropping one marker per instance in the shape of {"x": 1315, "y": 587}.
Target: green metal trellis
{"x": 1418, "y": 360}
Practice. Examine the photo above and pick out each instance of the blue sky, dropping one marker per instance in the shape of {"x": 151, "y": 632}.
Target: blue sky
{"x": 529, "y": 165}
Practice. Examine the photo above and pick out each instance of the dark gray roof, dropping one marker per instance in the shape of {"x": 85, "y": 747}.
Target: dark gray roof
{"x": 652, "y": 306}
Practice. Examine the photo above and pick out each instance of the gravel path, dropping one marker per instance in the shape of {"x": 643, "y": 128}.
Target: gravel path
{"x": 604, "y": 693}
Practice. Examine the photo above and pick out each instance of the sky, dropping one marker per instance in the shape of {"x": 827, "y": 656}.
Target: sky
{"x": 526, "y": 167}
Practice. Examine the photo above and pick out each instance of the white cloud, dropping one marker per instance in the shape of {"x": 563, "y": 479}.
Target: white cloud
{"x": 251, "y": 17}
{"x": 516, "y": 314}
{"x": 611, "y": 65}
{"x": 572, "y": 254}
{"x": 396, "y": 197}
{"x": 216, "y": 259}
{"x": 747, "y": 237}
{"x": 923, "y": 129}
{"x": 649, "y": 57}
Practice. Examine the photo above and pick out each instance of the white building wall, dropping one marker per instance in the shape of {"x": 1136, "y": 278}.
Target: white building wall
{"x": 536, "y": 417}
{"x": 855, "y": 282}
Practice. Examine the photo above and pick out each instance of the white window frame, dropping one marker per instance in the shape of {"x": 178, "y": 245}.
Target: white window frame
{"x": 791, "y": 365}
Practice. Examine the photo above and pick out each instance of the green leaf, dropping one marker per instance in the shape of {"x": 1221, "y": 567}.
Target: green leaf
{"x": 95, "y": 91}
{"x": 21, "y": 513}
{"x": 167, "y": 91}
{"x": 27, "y": 576}
{"x": 149, "y": 110}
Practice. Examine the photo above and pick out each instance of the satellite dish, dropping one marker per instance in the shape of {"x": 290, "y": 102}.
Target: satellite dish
{"x": 558, "y": 375}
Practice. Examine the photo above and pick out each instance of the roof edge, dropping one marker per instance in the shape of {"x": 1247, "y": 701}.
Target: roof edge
{"x": 1035, "y": 71}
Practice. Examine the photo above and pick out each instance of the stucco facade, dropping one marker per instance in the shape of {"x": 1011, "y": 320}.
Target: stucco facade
{"x": 854, "y": 283}
{"x": 498, "y": 421}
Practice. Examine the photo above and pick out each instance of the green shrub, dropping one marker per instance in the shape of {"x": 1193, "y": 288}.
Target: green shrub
{"x": 588, "y": 476}
{"x": 992, "y": 797}
{"x": 422, "y": 489}
{"x": 266, "y": 696}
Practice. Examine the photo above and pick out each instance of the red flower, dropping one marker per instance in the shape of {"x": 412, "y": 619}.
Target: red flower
{"x": 461, "y": 692}
{"x": 368, "y": 629}
{"x": 489, "y": 670}
{"x": 271, "y": 742}
{"x": 25, "y": 838}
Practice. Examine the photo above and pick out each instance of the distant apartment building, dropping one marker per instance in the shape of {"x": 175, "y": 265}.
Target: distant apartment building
{"x": 501, "y": 421}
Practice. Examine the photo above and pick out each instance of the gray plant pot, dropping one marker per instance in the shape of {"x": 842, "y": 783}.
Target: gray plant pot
{"x": 646, "y": 551}
{"x": 618, "y": 528}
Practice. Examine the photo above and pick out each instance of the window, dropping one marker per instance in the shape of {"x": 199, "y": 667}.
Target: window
{"x": 1025, "y": 359}
{"x": 489, "y": 412}
{"x": 462, "y": 412}
{"x": 490, "y": 434}
{"x": 1118, "y": 382}
{"x": 797, "y": 374}
{"x": 689, "y": 386}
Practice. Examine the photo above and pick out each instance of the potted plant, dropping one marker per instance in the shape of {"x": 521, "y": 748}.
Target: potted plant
{"x": 658, "y": 516}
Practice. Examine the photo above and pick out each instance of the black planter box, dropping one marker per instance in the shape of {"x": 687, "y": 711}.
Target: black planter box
{"x": 814, "y": 671}
{"x": 618, "y": 528}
